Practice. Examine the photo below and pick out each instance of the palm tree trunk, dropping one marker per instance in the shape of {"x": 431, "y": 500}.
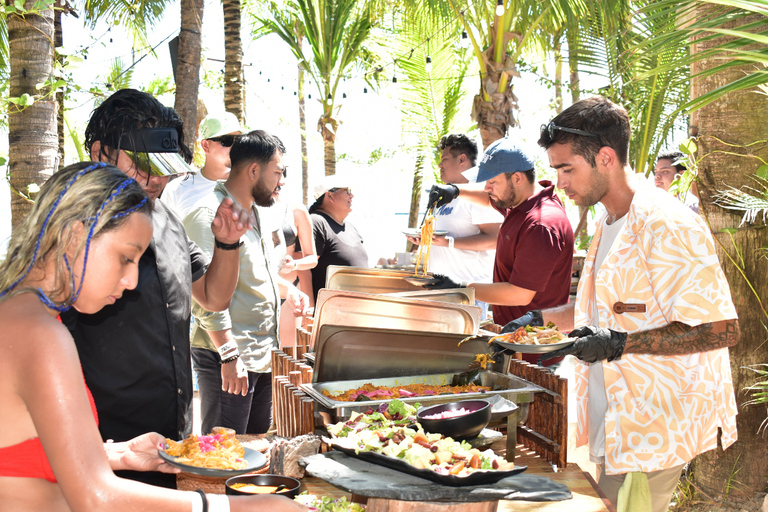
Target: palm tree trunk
{"x": 725, "y": 127}
{"x": 234, "y": 90}
{"x": 557, "y": 50}
{"x": 413, "y": 213}
{"x": 303, "y": 135}
{"x": 58, "y": 42}
{"x": 327, "y": 126}
{"x": 32, "y": 140}
{"x": 330, "y": 156}
{"x": 188, "y": 67}
{"x": 494, "y": 107}
{"x": 573, "y": 65}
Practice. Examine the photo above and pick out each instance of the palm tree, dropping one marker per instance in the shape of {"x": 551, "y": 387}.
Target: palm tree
{"x": 729, "y": 54}
{"x": 188, "y": 67}
{"x": 234, "y": 84}
{"x": 33, "y": 145}
{"x": 499, "y": 42}
{"x": 722, "y": 44}
{"x": 431, "y": 94}
{"x": 336, "y": 31}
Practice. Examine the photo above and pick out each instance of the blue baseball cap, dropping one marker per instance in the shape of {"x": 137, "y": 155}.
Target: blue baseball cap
{"x": 500, "y": 157}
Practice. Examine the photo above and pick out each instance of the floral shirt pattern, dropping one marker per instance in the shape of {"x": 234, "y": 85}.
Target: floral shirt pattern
{"x": 662, "y": 410}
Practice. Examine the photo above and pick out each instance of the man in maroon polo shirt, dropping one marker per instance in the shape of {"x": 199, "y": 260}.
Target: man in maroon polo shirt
{"x": 534, "y": 249}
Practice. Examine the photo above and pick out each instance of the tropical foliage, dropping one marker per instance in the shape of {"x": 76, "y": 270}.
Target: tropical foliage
{"x": 434, "y": 65}
{"x": 336, "y": 32}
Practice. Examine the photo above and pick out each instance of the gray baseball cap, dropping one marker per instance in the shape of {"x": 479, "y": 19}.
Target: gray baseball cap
{"x": 500, "y": 157}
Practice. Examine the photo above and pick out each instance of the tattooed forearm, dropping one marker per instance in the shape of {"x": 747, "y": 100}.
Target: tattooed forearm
{"x": 678, "y": 338}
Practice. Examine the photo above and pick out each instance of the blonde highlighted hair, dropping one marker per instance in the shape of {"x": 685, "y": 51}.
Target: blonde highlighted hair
{"x": 97, "y": 196}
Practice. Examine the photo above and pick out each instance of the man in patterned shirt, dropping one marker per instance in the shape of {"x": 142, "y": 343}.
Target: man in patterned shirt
{"x": 653, "y": 315}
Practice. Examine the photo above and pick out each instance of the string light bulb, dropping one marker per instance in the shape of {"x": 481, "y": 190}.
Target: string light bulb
{"x": 365, "y": 90}
{"x": 464, "y": 40}
{"x": 428, "y": 66}
{"x": 499, "y": 7}
{"x": 394, "y": 79}
{"x": 344, "y": 95}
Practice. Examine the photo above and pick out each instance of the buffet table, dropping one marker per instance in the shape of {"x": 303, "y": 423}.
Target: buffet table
{"x": 586, "y": 497}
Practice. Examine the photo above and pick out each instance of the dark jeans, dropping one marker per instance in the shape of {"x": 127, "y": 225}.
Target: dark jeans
{"x": 249, "y": 414}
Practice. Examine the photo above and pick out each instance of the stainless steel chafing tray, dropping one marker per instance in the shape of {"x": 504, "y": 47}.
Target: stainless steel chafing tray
{"x": 454, "y": 295}
{"x": 356, "y": 309}
{"x": 510, "y": 387}
{"x": 351, "y": 353}
{"x": 369, "y": 280}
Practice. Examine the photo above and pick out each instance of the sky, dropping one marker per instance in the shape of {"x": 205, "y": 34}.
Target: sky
{"x": 371, "y": 123}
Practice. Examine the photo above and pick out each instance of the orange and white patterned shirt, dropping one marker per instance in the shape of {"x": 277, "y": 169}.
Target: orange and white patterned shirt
{"x": 662, "y": 410}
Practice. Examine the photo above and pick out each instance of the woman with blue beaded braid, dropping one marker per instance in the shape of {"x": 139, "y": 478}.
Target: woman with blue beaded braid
{"x": 79, "y": 249}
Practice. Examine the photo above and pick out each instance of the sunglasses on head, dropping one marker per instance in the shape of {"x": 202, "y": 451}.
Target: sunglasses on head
{"x": 552, "y": 127}
{"x": 225, "y": 140}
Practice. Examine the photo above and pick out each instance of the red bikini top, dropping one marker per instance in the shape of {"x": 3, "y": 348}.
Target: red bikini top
{"x": 27, "y": 459}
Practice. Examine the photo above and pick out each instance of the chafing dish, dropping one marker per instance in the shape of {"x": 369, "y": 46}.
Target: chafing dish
{"x": 509, "y": 387}
{"x": 369, "y": 280}
{"x": 454, "y": 295}
{"x": 351, "y": 353}
{"x": 356, "y": 309}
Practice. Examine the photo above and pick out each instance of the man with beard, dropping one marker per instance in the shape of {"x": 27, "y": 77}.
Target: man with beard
{"x": 231, "y": 350}
{"x": 653, "y": 316}
{"x": 534, "y": 249}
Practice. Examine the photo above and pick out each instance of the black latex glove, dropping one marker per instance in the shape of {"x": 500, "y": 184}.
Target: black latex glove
{"x": 532, "y": 318}
{"x": 442, "y": 194}
{"x": 443, "y": 283}
{"x": 593, "y": 344}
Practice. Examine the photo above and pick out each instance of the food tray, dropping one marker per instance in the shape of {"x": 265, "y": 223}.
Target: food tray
{"x": 513, "y": 389}
{"x": 477, "y": 477}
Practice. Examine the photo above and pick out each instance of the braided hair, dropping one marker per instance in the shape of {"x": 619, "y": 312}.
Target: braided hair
{"x": 98, "y": 196}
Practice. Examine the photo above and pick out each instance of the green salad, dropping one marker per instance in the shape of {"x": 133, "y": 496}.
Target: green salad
{"x": 405, "y": 439}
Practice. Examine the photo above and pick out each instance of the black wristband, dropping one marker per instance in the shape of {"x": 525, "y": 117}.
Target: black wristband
{"x": 230, "y": 359}
{"x": 229, "y": 247}
{"x": 205, "y": 499}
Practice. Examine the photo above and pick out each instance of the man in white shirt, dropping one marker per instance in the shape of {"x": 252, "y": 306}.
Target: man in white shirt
{"x": 217, "y": 133}
{"x": 466, "y": 253}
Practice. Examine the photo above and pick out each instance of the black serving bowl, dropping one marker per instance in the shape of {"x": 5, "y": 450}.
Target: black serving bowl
{"x": 459, "y": 428}
{"x": 293, "y": 486}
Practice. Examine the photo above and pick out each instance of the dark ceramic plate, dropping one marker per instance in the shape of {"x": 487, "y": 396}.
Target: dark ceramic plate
{"x": 536, "y": 349}
{"x": 292, "y": 486}
{"x": 477, "y": 477}
{"x": 255, "y": 460}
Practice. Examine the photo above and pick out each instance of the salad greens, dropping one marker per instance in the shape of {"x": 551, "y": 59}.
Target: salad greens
{"x": 328, "y": 504}
{"x": 405, "y": 439}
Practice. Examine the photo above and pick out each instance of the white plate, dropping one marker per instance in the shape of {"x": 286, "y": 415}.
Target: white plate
{"x": 416, "y": 232}
{"x": 536, "y": 349}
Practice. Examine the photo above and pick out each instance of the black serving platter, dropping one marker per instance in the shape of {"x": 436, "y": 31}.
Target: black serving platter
{"x": 477, "y": 477}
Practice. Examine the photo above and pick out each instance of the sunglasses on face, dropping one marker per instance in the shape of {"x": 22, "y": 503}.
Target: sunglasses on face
{"x": 225, "y": 140}
{"x": 159, "y": 165}
{"x": 552, "y": 127}
{"x": 345, "y": 189}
